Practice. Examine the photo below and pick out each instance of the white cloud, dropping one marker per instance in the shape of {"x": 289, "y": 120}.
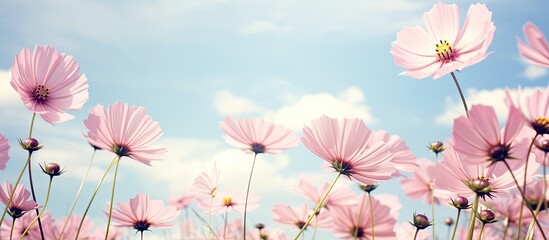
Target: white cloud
{"x": 454, "y": 108}
{"x": 349, "y": 104}
{"x": 226, "y": 103}
{"x": 11, "y": 106}
{"x": 257, "y": 27}
{"x": 534, "y": 72}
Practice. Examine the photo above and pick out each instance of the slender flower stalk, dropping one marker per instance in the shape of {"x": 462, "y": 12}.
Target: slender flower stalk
{"x": 415, "y": 235}
{"x": 112, "y": 201}
{"x": 355, "y": 234}
{"x": 318, "y": 206}
{"x": 114, "y": 161}
{"x": 473, "y": 218}
{"x": 78, "y": 194}
{"x": 524, "y": 185}
{"x": 524, "y": 197}
{"x": 371, "y": 214}
{"x": 460, "y": 94}
{"x": 457, "y": 223}
{"x": 34, "y": 197}
{"x": 248, "y": 192}
{"x": 37, "y": 218}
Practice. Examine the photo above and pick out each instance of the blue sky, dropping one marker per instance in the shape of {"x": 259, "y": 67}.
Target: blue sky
{"x": 190, "y": 63}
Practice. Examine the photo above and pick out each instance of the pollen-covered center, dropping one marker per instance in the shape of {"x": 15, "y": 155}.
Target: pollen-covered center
{"x": 444, "y": 51}
{"x": 41, "y": 93}
{"x": 227, "y": 201}
{"x": 541, "y": 125}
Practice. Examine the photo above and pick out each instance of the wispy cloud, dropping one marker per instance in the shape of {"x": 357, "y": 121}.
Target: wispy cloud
{"x": 226, "y": 103}
{"x": 534, "y": 72}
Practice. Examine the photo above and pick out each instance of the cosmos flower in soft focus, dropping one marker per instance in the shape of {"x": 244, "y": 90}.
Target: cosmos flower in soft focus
{"x": 266, "y": 234}
{"x": 71, "y": 230}
{"x": 181, "y": 202}
{"x": 206, "y": 185}
{"x": 141, "y": 213}
{"x": 257, "y": 135}
{"x": 297, "y": 217}
{"x": 338, "y": 196}
{"x": 421, "y": 184}
{"x": 48, "y": 82}
{"x": 536, "y": 51}
{"x": 346, "y": 219}
{"x": 124, "y": 130}
{"x": 479, "y": 137}
{"x": 535, "y": 108}
{"x": 4, "y": 148}
{"x": 48, "y": 226}
{"x": 347, "y": 146}
{"x": 403, "y": 157}
{"x": 20, "y": 204}
{"x": 229, "y": 200}
{"x": 441, "y": 47}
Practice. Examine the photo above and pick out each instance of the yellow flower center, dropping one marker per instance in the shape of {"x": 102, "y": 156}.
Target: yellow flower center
{"x": 444, "y": 51}
{"x": 541, "y": 125}
{"x": 41, "y": 93}
{"x": 227, "y": 201}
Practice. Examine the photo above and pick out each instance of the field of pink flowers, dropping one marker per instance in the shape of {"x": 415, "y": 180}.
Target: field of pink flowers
{"x": 494, "y": 178}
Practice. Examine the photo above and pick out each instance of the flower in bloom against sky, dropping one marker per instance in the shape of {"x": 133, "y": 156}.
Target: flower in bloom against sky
{"x": 535, "y": 107}
{"x": 338, "y": 195}
{"x": 20, "y": 203}
{"x": 480, "y": 138}
{"x": 346, "y": 144}
{"x": 4, "y": 148}
{"x": 421, "y": 183}
{"x": 229, "y": 200}
{"x": 48, "y": 226}
{"x": 296, "y": 217}
{"x": 141, "y": 213}
{"x": 537, "y": 50}
{"x": 206, "y": 185}
{"x": 441, "y": 47}
{"x": 124, "y": 130}
{"x": 258, "y": 135}
{"x": 48, "y": 82}
{"x": 346, "y": 219}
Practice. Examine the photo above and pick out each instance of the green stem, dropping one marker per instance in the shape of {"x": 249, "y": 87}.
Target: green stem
{"x": 37, "y": 218}
{"x": 433, "y": 209}
{"x": 473, "y": 218}
{"x": 371, "y": 215}
{"x": 247, "y": 193}
{"x": 210, "y": 217}
{"x": 78, "y": 194}
{"x": 456, "y": 226}
{"x": 112, "y": 199}
{"x": 415, "y": 235}
{"x": 316, "y": 226}
{"x": 318, "y": 206}
{"x": 32, "y": 124}
{"x": 481, "y": 230}
{"x": 12, "y": 226}
{"x": 355, "y": 234}
{"x": 226, "y": 223}
{"x": 524, "y": 185}
{"x": 8, "y": 204}
{"x": 115, "y": 160}
{"x": 460, "y": 93}
{"x": 524, "y": 198}
{"x": 34, "y": 199}
{"x": 506, "y": 226}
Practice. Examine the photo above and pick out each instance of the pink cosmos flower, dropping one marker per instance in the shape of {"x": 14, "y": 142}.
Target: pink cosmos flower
{"x": 20, "y": 224}
{"x": 439, "y": 48}
{"x": 48, "y": 82}
{"x": 535, "y": 107}
{"x": 71, "y": 230}
{"x": 181, "y": 202}
{"x": 296, "y": 217}
{"x": 346, "y": 144}
{"x": 20, "y": 204}
{"x": 346, "y": 219}
{"x": 206, "y": 185}
{"x": 4, "y": 148}
{"x": 421, "y": 183}
{"x": 257, "y": 135}
{"x": 124, "y": 130}
{"x": 403, "y": 157}
{"x": 141, "y": 213}
{"x": 455, "y": 177}
{"x": 227, "y": 199}
{"x": 479, "y": 137}
{"x": 338, "y": 196}
{"x": 537, "y": 50}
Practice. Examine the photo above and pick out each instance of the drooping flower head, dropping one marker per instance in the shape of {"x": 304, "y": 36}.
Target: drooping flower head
{"x": 441, "y": 47}
{"x": 20, "y": 203}
{"x": 257, "y": 135}
{"x": 537, "y": 50}
{"x": 346, "y": 144}
{"x": 48, "y": 82}
{"x": 4, "y": 148}
{"x": 480, "y": 138}
{"x": 141, "y": 213}
{"x": 124, "y": 130}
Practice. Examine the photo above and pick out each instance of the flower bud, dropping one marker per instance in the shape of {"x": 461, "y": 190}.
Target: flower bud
{"x": 436, "y": 147}
{"x": 481, "y": 186}
{"x": 421, "y": 221}
{"x": 487, "y": 216}
{"x": 260, "y": 226}
{"x": 460, "y": 202}
{"x": 543, "y": 145}
{"x": 30, "y": 144}
{"x": 52, "y": 169}
{"x": 368, "y": 188}
{"x": 449, "y": 221}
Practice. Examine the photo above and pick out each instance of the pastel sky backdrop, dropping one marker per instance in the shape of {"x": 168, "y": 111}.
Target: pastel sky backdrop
{"x": 191, "y": 63}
